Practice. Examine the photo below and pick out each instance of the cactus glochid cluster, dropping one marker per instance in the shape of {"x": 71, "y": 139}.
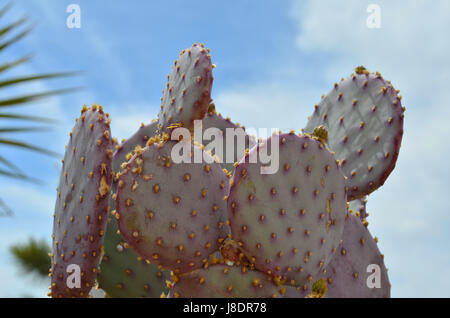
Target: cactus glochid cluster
{"x": 138, "y": 222}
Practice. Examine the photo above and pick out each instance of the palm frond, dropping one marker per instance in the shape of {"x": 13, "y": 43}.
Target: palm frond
{"x": 23, "y": 79}
{"x": 20, "y": 144}
{"x": 5, "y": 9}
{"x": 28, "y": 118}
{"x": 12, "y": 64}
{"x": 33, "y": 256}
{"x": 10, "y": 34}
{"x": 23, "y": 129}
{"x": 9, "y": 164}
{"x": 4, "y": 209}
{"x": 33, "y": 97}
{"x": 5, "y": 30}
{"x": 16, "y": 38}
{"x": 19, "y": 176}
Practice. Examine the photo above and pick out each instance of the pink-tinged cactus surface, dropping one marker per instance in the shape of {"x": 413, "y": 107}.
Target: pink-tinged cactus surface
{"x": 173, "y": 214}
{"x": 364, "y": 118}
{"x": 289, "y": 223}
{"x": 348, "y": 273}
{"x": 82, "y": 202}
{"x": 222, "y": 281}
{"x": 187, "y": 93}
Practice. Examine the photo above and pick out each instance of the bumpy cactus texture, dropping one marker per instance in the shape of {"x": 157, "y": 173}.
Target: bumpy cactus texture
{"x": 82, "y": 203}
{"x": 219, "y": 281}
{"x": 364, "y": 118}
{"x": 172, "y": 213}
{"x": 139, "y": 138}
{"x": 179, "y": 218}
{"x": 231, "y": 136}
{"x": 358, "y": 207}
{"x": 187, "y": 94}
{"x": 289, "y": 223}
{"x": 123, "y": 273}
{"x": 347, "y": 275}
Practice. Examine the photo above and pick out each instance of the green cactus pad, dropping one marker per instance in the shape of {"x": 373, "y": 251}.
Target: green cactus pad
{"x": 187, "y": 93}
{"x": 222, "y": 281}
{"x": 364, "y": 118}
{"x": 124, "y": 274}
{"x": 289, "y": 223}
{"x": 82, "y": 203}
{"x": 172, "y": 214}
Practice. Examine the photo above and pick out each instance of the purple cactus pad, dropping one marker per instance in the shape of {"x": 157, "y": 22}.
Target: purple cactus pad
{"x": 82, "y": 203}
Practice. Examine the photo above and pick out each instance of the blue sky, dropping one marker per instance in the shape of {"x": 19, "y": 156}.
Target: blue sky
{"x": 274, "y": 59}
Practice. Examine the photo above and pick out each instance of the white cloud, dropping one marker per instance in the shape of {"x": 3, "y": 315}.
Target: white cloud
{"x": 267, "y": 105}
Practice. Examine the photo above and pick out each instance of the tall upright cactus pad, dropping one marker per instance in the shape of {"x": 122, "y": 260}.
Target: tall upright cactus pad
{"x": 364, "y": 118}
{"x": 223, "y": 281}
{"x": 289, "y": 223}
{"x": 358, "y": 207}
{"x": 124, "y": 274}
{"x": 187, "y": 93}
{"x": 172, "y": 214}
{"x": 235, "y": 141}
{"x": 358, "y": 265}
{"x": 82, "y": 203}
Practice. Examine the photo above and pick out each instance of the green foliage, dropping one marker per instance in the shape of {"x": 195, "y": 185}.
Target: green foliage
{"x": 33, "y": 256}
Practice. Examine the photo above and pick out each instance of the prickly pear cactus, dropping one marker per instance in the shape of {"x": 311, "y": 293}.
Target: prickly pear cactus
{"x": 172, "y": 213}
{"x": 82, "y": 203}
{"x": 284, "y": 217}
{"x": 235, "y": 141}
{"x": 123, "y": 273}
{"x": 364, "y": 118}
{"x": 187, "y": 94}
{"x": 223, "y": 281}
{"x": 358, "y": 268}
{"x": 139, "y": 138}
{"x": 358, "y": 207}
{"x": 290, "y": 222}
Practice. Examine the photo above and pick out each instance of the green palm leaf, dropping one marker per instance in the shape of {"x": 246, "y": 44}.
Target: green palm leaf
{"x": 24, "y": 145}
{"x": 23, "y": 79}
{"x": 33, "y": 97}
{"x": 12, "y": 26}
{"x": 9, "y": 164}
{"x": 28, "y": 118}
{"x": 23, "y": 129}
{"x": 33, "y": 256}
{"x": 9, "y": 65}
